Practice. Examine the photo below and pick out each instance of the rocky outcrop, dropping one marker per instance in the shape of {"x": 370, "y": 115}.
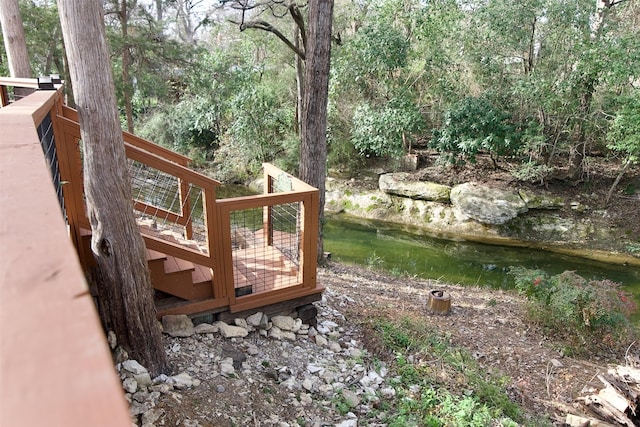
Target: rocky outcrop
{"x": 487, "y": 205}
{"x": 478, "y": 213}
{"x": 397, "y": 184}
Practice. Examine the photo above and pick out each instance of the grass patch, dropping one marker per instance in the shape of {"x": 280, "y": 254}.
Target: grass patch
{"x": 439, "y": 384}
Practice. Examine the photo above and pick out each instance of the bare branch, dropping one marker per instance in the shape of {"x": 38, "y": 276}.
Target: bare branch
{"x": 294, "y": 10}
{"x": 265, "y": 26}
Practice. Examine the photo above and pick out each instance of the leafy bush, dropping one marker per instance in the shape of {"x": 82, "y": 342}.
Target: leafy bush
{"x": 382, "y": 131}
{"x": 532, "y": 172}
{"x": 472, "y": 125}
{"x": 624, "y": 135}
{"x": 595, "y": 312}
{"x": 192, "y": 124}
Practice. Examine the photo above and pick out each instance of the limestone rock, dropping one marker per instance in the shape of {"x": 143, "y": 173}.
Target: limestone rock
{"x": 487, "y": 205}
{"x": 541, "y": 201}
{"x": 130, "y": 385}
{"x": 181, "y": 381}
{"x": 398, "y": 185}
{"x": 258, "y": 320}
{"x": 177, "y": 325}
{"x": 143, "y": 380}
{"x": 286, "y": 323}
{"x": 134, "y": 367}
{"x": 230, "y": 331}
{"x": 350, "y": 398}
{"x": 206, "y": 328}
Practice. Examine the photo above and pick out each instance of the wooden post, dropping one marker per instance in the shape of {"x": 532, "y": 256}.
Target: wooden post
{"x": 185, "y": 208}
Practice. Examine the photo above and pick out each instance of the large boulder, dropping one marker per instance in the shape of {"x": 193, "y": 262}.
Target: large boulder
{"x": 398, "y": 184}
{"x": 487, "y": 205}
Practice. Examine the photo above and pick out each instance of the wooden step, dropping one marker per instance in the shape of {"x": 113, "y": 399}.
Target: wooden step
{"x": 184, "y": 279}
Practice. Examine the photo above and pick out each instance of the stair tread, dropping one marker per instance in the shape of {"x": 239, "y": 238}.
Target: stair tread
{"x": 173, "y": 265}
{"x": 201, "y": 274}
{"x": 155, "y": 255}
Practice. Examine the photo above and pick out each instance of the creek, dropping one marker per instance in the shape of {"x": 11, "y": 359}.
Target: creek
{"x": 404, "y": 251}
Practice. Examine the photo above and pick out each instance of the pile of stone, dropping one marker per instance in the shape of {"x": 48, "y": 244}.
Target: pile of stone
{"x": 309, "y": 367}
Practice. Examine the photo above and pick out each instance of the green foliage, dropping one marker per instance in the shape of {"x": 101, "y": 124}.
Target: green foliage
{"x": 420, "y": 400}
{"x": 382, "y": 132}
{"x": 624, "y": 134}
{"x": 582, "y": 310}
{"x": 192, "y": 125}
{"x": 44, "y": 37}
{"x": 532, "y": 172}
{"x": 473, "y": 125}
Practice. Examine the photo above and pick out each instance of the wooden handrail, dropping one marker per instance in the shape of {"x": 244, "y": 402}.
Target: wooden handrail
{"x": 71, "y": 114}
{"x": 260, "y": 200}
{"x": 274, "y": 172}
{"x": 158, "y": 162}
{"x": 65, "y": 370}
{"x": 19, "y": 82}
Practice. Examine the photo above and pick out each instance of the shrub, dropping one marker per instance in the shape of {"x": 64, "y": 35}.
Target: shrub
{"x": 383, "y": 131}
{"x": 472, "y": 125}
{"x": 593, "y": 311}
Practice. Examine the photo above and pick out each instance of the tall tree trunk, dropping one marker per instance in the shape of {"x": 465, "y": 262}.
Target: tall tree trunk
{"x": 15, "y": 43}
{"x": 299, "y": 80}
{"x": 126, "y": 60}
{"x": 125, "y": 292}
{"x": 313, "y": 149}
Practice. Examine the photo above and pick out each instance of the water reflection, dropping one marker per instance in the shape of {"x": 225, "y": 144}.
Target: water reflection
{"x": 400, "y": 251}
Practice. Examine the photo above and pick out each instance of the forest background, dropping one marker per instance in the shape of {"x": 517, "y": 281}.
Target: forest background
{"x": 541, "y": 86}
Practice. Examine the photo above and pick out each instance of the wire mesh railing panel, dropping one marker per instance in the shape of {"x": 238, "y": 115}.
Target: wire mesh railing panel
{"x": 168, "y": 208}
{"x": 48, "y": 143}
{"x": 265, "y": 248}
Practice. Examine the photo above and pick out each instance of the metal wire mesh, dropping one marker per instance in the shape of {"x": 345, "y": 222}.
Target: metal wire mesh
{"x": 48, "y": 143}
{"x": 166, "y": 207}
{"x": 265, "y": 248}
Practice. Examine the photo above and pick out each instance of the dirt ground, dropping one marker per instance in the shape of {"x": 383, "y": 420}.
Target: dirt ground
{"x": 491, "y": 325}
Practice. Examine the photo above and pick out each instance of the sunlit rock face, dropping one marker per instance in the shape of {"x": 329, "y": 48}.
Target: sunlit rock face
{"x": 487, "y": 205}
{"x": 398, "y": 184}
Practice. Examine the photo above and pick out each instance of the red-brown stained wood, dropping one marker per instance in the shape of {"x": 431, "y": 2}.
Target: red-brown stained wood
{"x": 55, "y": 366}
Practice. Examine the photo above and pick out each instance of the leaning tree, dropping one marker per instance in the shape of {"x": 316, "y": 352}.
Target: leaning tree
{"x": 124, "y": 287}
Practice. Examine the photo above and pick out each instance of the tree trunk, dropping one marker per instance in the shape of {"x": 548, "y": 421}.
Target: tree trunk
{"x": 299, "y": 80}
{"x": 313, "y": 149}
{"x": 624, "y": 168}
{"x": 125, "y": 292}
{"x": 15, "y": 43}
{"x": 126, "y": 60}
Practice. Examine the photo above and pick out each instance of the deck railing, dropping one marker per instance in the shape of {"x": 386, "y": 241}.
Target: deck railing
{"x": 53, "y": 353}
{"x": 259, "y": 250}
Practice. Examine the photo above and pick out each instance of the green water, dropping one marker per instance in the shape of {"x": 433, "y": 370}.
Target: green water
{"x": 393, "y": 248}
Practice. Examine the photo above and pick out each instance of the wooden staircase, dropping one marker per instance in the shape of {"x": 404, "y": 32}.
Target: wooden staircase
{"x": 188, "y": 281}
{"x": 169, "y": 274}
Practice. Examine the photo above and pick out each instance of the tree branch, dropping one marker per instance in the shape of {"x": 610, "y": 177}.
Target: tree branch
{"x": 294, "y": 10}
{"x": 265, "y": 26}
